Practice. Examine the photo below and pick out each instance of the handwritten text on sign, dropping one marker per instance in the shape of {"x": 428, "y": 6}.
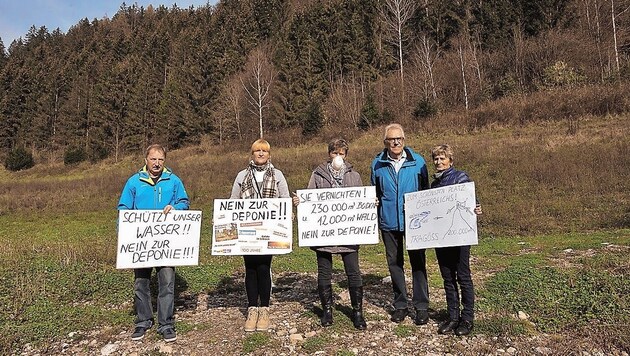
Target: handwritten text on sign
{"x": 148, "y": 238}
{"x": 441, "y": 217}
{"x": 252, "y": 226}
{"x": 337, "y": 216}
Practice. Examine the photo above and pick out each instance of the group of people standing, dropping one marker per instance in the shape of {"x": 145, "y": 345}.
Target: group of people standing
{"x": 395, "y": 171}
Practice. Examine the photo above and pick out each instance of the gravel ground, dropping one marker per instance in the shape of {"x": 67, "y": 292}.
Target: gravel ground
{"x": 213, "y": 325}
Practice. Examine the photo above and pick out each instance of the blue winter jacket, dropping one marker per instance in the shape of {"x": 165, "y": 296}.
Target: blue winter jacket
{"x": 140, "y": 192}
{"x": 449, "y": 177}
{"x": 391, "y": 187}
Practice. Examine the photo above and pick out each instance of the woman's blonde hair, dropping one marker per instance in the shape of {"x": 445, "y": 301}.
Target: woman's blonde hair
{"x": 261, "y": 144}
{"x": 443, "y": 149}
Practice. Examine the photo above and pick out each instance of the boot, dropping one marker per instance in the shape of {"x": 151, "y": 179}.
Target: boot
{"x": 252, "y": 319}
{"x": 356, "y": 298}
{"x": 263, "y": 319}
{"x": 326, "y": 298}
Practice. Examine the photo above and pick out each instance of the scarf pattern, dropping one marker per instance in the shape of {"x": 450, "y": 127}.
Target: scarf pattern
{"x": 249, "y": 187}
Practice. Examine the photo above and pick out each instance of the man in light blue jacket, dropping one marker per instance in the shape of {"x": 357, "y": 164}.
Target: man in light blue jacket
{"x": 154, "y": 187}
{"x": 395, "y": 171}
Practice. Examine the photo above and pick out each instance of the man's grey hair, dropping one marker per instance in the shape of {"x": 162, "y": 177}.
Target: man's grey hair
{"x": 393, "y": 126}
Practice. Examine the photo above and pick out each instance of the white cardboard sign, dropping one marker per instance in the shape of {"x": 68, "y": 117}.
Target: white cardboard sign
{"x": 337, "y": 216}
{"x": 252, "y": 226}
{"x": 149, "y": 238}
{"x": 441, "y": 217}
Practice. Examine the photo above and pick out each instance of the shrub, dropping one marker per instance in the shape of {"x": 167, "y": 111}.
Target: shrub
{"x": 97, "y": 151}
{"x": 314, "y": 120}
{"x": 74, "y": 155}
{"x": 560, "y": 74}
{"x": 369, "y": 114}
{"x": 19, "y": 159}
{"x": 507, "y": 86}
{"x": 424, "y": 109}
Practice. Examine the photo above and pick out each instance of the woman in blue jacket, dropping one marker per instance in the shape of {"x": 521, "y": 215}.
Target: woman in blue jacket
{"x": 454, "y": 261}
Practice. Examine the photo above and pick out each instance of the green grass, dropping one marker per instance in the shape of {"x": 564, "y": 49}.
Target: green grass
{"x": 255, "y": 341}
{"x": 403, "y": 331}
{"x": 591, "y": 293}
{"x": 502, "y": 325}
{"x": 316, "y": 343}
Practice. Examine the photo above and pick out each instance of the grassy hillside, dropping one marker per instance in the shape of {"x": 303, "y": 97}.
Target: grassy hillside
{"x": 543, "y": 192}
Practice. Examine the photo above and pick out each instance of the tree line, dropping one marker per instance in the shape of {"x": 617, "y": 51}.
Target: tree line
{"x": 244, "y": 68}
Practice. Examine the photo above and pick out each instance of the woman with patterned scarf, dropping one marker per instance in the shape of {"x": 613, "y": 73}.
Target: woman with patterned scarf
{"x": 259, "y": 180}
{"x": 336, "y": 173}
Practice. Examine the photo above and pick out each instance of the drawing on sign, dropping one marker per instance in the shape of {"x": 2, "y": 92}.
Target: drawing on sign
{"x": 418, "y": 219}
{"x": 458, "y": 209}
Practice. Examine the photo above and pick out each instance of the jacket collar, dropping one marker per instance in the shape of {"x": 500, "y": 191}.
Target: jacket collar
{"x": 444, "y": 174}
{"x": 145, "y": 177}
{"x": 383, "y": 156}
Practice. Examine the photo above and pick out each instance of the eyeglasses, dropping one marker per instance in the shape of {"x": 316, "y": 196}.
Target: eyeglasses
{"x": 394, "y": 139}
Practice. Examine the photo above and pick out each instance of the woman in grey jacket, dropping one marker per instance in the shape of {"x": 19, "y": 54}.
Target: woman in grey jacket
{"x": 336, "y": 173}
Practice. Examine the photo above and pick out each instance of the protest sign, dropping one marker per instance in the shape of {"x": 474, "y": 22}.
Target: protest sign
{"x": 441, "y": 217}
{"x": 150, "y": 238}
{"x": 252, "y": 226}
{"x": 337, "y": 216}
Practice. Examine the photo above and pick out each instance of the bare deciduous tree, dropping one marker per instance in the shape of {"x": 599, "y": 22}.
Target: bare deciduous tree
{"x": 261, "y": 75}
{"x": 228, "y": 117}
{"x": 614, "y": 30}
{"x": 395, "y": 15}
{"x": 346, "y": 98}
{"x": 427, "y": 53}
{"x": 462, "y": 65}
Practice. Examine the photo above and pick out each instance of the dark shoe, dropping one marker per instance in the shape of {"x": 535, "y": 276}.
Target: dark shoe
{"x": 327, "y": 317}
{"x": 326, "y": 298}
{"x": 169, "y": 335}
{"x": 422, "y": 317}
{"x": 357, "y": 319}
{"x": 138, "y": 333}
{"x": 448, "y": 326}
{"x": 356, "y": 299}
{"x": 399, "y": 315}
{"x": 464, "y": 328}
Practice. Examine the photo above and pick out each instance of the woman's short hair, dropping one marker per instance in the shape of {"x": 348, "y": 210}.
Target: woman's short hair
{"x": 393, "y": 126}
{"x": 155, "y": 147}
{"x": 443, "y": 149}
{"x": 336, "y": 144}
{"x": 261, "y": 144}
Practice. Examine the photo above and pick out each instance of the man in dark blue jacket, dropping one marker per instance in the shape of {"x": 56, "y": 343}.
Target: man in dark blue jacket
{"x": 154, "y": 187}
{"x": 395, "y": 171}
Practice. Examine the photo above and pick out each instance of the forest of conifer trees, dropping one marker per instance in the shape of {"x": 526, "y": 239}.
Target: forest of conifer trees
{"x": 243, "y": 68}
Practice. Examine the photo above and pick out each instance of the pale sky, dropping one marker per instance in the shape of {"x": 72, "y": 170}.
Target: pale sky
{"x": 17, "y": 16}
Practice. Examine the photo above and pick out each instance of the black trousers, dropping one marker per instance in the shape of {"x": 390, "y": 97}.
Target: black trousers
{"x": 455, "y": 269}
{"x": 350, "y": 264}
{"x": 394, "y": 249}
{"x": 258, "y": 279}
